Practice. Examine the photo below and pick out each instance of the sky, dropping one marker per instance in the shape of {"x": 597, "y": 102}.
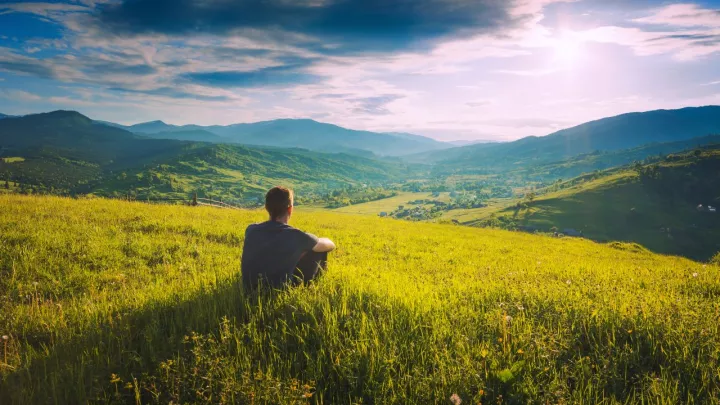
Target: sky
{"x": 449, "y": 69}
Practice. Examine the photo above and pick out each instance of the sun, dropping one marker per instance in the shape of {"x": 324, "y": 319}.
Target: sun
{"x": 568, "y": 49}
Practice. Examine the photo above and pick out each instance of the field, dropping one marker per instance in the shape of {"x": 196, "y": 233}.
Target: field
{"x": 390, "y": 204}
{"x": 118, "y": 302}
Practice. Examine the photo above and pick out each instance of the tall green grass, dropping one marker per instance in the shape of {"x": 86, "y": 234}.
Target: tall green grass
{"x": 116, "y": 302}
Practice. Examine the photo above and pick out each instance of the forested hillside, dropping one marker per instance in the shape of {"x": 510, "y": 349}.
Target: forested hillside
{"x": 609, "y": 134}
{"x": 67, "y": 153}
{"x": 664, "y": 205}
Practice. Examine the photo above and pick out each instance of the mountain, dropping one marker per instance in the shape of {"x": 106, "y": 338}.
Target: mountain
{"x": 197, "y": 135}
{"x": 151, "y": 127}
{"x": 315, "y": 135}
{"x": 67, "y": 152}
{"x": 655, "y": 205}
{"x": 418, "y": 138}
{"x": 598, "y": 160}
{"x": 614, "y": 133}
{"x": 3, "y": 116}
{"x": 466, "y": 142}
{"x": 296, "y": 133}
{"x": 78, "y": 137}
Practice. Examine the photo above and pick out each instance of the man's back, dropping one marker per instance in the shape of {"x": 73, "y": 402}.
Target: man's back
{"x": 271, "y": 251}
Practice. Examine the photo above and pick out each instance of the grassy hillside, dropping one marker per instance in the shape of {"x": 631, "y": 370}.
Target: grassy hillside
{"x": 656, "y": 208}
{"x": 116, "y": 302}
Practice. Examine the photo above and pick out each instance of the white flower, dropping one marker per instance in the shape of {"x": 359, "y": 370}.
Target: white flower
{"x": 508, "y": 318}
{"x": 695, "y": 274}
{"x": 5, "y": 337}
{"x": 455, "y": 399}
{"x": 568, "y": 282}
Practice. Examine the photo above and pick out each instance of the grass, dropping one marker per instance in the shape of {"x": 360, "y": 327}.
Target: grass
{"x": 619, "y": 208}
{"x": 472, "y": 215}
{"x": 390, "y": 204}
{"x": 118, "y": 302}
{"x": 12, "y": 159}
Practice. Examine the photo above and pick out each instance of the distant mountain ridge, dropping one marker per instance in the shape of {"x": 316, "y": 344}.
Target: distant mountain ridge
{"x": 67, "y": 152}
{"x": 294, "y": 133}
{"x": 614, "y": 133}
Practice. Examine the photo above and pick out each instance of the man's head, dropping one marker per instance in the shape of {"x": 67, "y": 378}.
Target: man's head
{"x": 279, "y": 203}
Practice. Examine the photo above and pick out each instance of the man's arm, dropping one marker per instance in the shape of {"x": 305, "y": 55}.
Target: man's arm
{"x": 324, "y": 245}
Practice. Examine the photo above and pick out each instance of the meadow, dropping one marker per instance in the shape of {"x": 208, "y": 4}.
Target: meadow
{"x": 390, "y": 204}
{"x": 127, "y": 303}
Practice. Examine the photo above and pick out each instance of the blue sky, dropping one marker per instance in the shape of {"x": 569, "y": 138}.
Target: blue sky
{"x": 450, "y": 69}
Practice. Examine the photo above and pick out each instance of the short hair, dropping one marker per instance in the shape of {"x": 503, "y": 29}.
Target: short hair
{"x": 278, "y": 200}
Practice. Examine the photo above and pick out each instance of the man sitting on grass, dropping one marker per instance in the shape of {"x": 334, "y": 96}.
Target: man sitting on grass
{"x": 275, "y": 253}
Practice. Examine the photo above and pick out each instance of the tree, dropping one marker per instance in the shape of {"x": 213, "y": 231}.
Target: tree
{"x": 7, "y": 185}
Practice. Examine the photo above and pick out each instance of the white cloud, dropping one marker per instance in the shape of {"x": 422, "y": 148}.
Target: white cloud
{"x": 685, "y": 15}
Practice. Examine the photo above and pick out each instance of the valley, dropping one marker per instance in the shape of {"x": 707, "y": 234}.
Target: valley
{"x": 590, "y": 191}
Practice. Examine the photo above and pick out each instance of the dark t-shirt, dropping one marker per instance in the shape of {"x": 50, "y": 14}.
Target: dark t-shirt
{"x": 271, "y": 252}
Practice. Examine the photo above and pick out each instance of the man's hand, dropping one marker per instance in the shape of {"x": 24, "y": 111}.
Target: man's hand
{"x": 324, "y": 245}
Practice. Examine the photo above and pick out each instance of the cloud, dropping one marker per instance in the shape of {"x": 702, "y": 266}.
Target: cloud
{"x": 42, "y": 9}
{"x": 267, "y": 77}
{"x": 374, "y": 105}
{"x": 686, "y": 31}
{"x": 325, "y": 26}
{"x": 686, "y": 15}
{"x": 172, "y": 92}
{"x": 528, "y": 72}
{"x": 19, "y": 95}
{"x": 479, "y": 103}
{"x": 683, "y": 45}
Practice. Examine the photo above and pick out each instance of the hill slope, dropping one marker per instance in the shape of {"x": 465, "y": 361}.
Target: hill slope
{"x": 656, "y": 208}
{"x": 614, "y": 133}
{"x": 108, "y": 301}
{"x": 66, "y": 152}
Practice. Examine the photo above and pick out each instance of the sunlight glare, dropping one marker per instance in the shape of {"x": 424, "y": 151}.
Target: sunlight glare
{"x": 568, "y": 49}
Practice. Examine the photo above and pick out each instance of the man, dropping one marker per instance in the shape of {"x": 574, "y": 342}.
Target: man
{"x": 275, "y": 253}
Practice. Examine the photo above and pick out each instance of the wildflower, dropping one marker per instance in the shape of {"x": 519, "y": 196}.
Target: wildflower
{"x": 520, "y": 351}
{"x": 114, "y": 378}
{"x": 455, "y": 399}
{"x": 307, "y": 395}
{"x": 568, "y": 282}
{"x": 35, "y": 283}
{"x": 630, "y": 331}
{"x": 508, "y": 318}
{"x": 5, "y": 337}
{"x": 481, "y": 392}
{"x": 695, "y": 274}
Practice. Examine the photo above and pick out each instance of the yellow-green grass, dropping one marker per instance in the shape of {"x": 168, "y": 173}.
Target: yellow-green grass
{"x": 390, "y": 204}
{"x": 475, "y": 214}
{"x": 12, "y": 159}
{"x": 117, "y": 302}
